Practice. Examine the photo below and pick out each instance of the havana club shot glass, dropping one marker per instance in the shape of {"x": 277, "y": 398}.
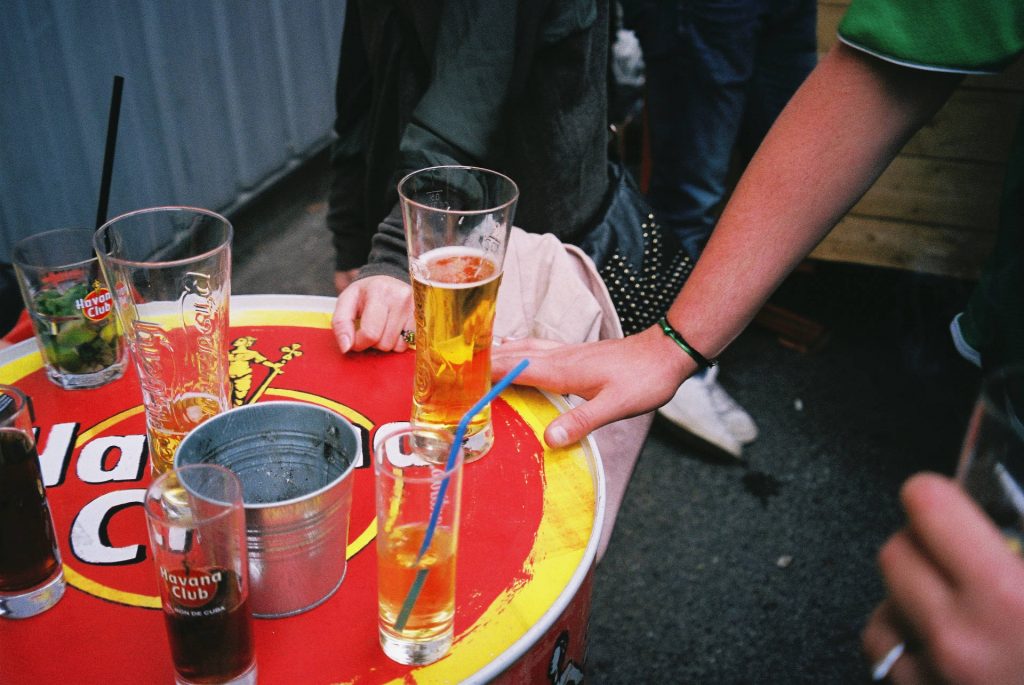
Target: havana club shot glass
{"x": 196, "y": 525}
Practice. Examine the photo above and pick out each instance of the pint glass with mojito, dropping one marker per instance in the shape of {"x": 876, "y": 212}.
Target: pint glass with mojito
{"x": 457, "y": 223}
{"x": 71, "y": 308}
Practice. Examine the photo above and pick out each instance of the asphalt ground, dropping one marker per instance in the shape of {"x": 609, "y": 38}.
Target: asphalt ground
{"x": 754, "y": 571}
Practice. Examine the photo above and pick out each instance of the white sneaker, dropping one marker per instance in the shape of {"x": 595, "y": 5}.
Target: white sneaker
{"x": 692, "y": 409}
{"x": 702, "y": 407}
{"x": 735, "y": 417}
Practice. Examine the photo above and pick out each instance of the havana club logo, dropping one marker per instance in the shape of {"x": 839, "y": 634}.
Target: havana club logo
{"x": 189, "y": 587}
{"x": 97, "y": 305}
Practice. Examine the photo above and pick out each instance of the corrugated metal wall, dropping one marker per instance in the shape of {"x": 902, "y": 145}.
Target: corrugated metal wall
{"x": 220, "y": 97}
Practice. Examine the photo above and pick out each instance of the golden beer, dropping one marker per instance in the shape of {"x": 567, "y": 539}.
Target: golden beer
{"x": 187, "y": 412}
{"x": 454, "y": 293}
{"x": 433, "y": 611}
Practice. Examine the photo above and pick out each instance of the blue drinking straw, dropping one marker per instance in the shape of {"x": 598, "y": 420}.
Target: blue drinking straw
{"x": 460, "y": 432}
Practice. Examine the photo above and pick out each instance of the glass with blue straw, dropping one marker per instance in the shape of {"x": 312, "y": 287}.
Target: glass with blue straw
{"x": 418, "y": 484}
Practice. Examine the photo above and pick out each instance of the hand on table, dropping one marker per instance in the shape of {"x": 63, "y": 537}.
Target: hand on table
{"x": 374, "y": 312}
{"x": 618, "y": 378}
{"x": 956, "y": 592}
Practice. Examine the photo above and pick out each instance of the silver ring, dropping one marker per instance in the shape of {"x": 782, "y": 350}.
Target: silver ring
{"x": 409, "y": 336}
{"x": 881, "y": 669}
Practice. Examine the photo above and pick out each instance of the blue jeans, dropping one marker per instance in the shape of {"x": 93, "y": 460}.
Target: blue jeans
{"x": 718, "y": 72}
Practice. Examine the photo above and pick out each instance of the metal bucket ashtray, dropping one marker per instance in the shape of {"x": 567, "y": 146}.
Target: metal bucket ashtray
{"x": 295, "y": 462}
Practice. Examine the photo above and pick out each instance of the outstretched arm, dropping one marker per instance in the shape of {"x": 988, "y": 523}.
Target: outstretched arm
{"x": 838, "y": 133}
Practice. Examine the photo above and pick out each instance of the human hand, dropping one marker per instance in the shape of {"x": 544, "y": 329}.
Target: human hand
{"x": 343, "y": 279}
{"x": 374, "y": 312}
{"x": 618, "y": 378}
{"x": 956, "y": 592}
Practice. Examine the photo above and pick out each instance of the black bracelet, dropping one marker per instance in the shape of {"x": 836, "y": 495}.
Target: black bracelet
{"x": 702, "y": 361}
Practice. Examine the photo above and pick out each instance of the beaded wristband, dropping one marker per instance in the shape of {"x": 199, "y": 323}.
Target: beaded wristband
{"x": 702, "y": 361}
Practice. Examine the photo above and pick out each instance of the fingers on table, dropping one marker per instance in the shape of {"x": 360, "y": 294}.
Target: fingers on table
{"x": 374, "y": 313}
{"x": 343, "y": 322}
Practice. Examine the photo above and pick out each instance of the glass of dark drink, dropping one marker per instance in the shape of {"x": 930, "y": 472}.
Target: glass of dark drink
{"x": 197, "y": 536}
{"x": 31, "y": 575}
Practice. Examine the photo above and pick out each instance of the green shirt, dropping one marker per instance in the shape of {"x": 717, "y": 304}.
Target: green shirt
{"x": 965, "y": 36}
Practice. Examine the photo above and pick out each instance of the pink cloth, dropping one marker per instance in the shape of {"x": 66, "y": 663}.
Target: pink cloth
{"x": 552, "y": 290}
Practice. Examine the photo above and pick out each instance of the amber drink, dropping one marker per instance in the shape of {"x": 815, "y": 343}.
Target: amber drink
{"x": 454, "y": 299}
{"x": 185, "y": 413}
{"x": 457, "y": 224}
{"x": 397, "y": 567}
{"x": 418, "y": 498}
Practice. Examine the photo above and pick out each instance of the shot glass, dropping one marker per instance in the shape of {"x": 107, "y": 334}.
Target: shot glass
{"x": 71, "y": 308}
{"x": 197, "y": 537}
{"x": 170, "y": 270}
{"x": 31, "y": 575}
{"x": 457, "y": 222}
{"x": 418, "y": 498}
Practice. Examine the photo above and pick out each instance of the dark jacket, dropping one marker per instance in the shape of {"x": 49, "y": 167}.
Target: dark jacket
{"x": 518, "y": 87}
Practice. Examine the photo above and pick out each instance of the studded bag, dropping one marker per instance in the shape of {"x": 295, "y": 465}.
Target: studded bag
{"x": 642, "y": 265}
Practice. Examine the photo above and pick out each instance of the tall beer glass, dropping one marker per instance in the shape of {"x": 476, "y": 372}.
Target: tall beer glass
{"x": 31, "y": 575}
{"x": 170, "y": 270}
{"x": 457, "y": 222}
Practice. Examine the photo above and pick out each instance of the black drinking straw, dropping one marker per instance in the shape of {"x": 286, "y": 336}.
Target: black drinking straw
{"x": 108, "y": 155}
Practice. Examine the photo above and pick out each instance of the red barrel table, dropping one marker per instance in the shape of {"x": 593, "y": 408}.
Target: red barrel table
{"x": 531, "y": 520}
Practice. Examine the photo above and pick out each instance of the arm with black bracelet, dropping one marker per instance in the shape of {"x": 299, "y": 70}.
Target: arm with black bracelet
{"x": 838, "y": 133}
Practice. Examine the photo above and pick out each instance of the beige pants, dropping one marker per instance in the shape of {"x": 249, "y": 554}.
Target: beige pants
{"x": 552, "y": 290}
